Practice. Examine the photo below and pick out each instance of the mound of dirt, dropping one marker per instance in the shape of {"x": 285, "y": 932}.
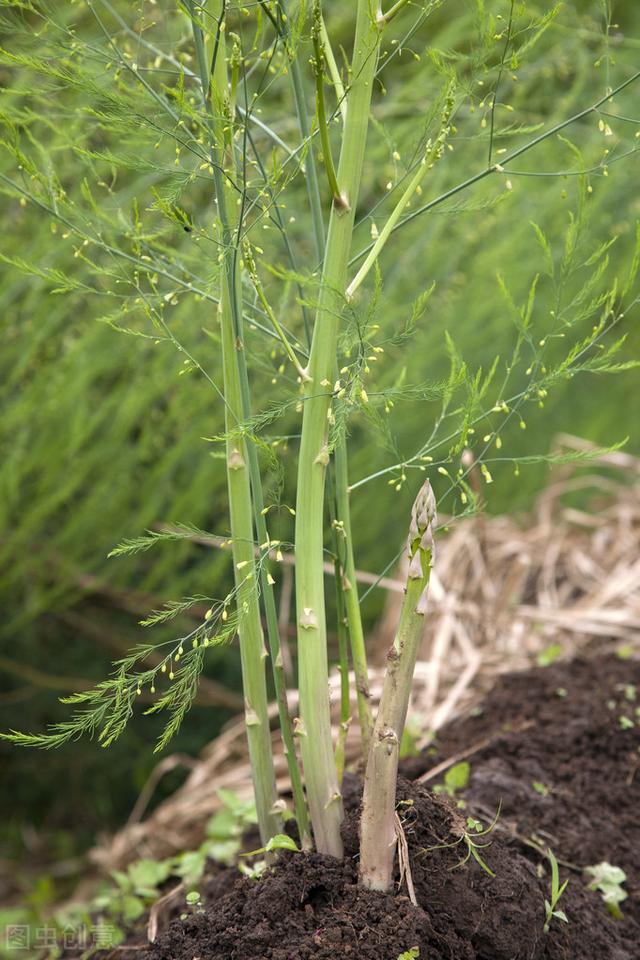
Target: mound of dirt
{"x": 556, "y": 750}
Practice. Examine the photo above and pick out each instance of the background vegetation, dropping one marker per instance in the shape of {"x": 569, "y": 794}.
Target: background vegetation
{"x": 102, "y": 433}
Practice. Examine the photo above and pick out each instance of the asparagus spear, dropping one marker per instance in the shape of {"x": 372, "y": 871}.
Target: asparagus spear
{"x": 377, "y": 831}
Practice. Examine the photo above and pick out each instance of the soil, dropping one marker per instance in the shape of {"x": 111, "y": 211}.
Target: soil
{"x": 557, "y": 727}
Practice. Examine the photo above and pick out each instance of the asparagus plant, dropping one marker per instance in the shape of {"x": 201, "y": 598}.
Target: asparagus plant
{"x": 215, "y": 127}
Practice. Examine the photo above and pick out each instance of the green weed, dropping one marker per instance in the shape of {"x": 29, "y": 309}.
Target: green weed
{"x": 557, "y": 889}
{"x": 411, "y": 954}
{"x": 455, "y": 779}
{"x": 469, "y": 838}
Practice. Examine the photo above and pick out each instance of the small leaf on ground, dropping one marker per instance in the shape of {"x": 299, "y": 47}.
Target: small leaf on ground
{"x": 549, "y": 655}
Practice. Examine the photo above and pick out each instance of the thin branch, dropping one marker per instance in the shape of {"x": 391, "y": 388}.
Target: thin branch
{"x": 432, "y": 154}
{"x": 499, "y": 78}
{"x": 498, "y": 168}
{"x": 334, "y": 72}
{"x": 323, "y": 126}
{"x": 253, "y": 273}
{"x": 393, "y": 11}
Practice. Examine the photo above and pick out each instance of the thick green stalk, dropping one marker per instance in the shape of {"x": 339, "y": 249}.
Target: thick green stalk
{"x": 345, "y": 718}
{"x": 377, "y": 827}
{"x": 323, "y": 793}
{"x": 346, "y": 584}
{"x": 286, "y": 729}
{"x": 273, "y": 634}
{"x": 252, "y": 648}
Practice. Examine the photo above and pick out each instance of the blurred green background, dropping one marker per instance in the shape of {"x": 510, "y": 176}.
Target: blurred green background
{"x": 101, "y": 433}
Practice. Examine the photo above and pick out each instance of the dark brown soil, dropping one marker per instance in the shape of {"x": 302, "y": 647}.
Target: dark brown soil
{"x": 557, "y": 727}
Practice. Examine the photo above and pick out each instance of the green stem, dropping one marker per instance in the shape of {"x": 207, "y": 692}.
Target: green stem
{"x": 252, "y": 649}
{"x": 351, "y": 600}
{"x": 433, "y": 153}
{"x": 323, "y": 126}
{"x": 311, "y": 171}
{"x": 347, "y": 583}
{"x": 273, "y": 634}
{"x": 334, "y": 72}
{"x": 377, "y": 826}
{"x": 500, "y": 168}
{"x": 288, "y": 349}
{"x": 266, "y": 581}
{"x": 325, "y": 801}
{"x": 340, "y": 491}
{"x": 395, "y": 10}
{"x": 345, "y": 718}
